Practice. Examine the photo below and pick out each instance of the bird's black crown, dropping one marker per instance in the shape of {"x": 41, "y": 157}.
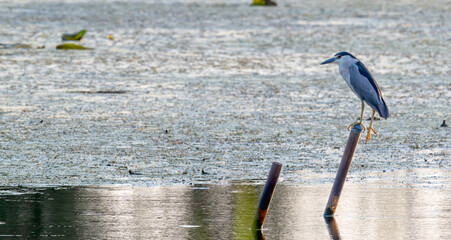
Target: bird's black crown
{"x": 344, "y": 54}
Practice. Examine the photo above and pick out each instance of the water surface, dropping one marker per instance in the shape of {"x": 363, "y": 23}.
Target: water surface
{"x": 378, "y": 210}
{"x": 216, "y": 90}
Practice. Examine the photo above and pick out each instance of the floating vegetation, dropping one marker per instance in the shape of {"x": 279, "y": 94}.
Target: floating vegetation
{"x": 14, "y": 45}
{"x": 101, "y": 92}
{"x": 74, "y": 36}
{"x": 68, "y": 46}
{"x": 264, "y": 3}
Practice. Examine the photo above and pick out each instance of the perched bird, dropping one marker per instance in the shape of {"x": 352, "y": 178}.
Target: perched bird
{"x": 362, "y": 83}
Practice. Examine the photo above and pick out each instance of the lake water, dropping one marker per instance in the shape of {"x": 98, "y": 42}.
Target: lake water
{"x": 378, "y": 209}
{"x": 167, "y": 131}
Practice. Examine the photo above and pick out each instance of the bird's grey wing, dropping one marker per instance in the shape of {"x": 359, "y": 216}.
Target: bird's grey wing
{"x": 360, "y": 84}
{"x": 364, "y": 72}
{"x": 365, "y": 86}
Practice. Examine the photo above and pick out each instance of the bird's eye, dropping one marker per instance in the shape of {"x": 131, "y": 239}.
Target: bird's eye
{"x": 339, "y": 56}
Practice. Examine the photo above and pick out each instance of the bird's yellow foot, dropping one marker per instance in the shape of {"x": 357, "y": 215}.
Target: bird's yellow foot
{"x": 352, "y": 125}
{"x": 368, "y": 135}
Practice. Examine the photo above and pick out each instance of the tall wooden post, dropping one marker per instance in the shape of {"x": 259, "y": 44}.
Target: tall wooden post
{"x": 343, "y": 170}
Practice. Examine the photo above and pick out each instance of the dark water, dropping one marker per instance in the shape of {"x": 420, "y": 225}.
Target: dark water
{"x": 366, "y": 211}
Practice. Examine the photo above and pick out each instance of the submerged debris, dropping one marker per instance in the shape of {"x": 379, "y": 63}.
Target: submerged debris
{"x": 133, "y": 173}
{"x": 375, "y": 119}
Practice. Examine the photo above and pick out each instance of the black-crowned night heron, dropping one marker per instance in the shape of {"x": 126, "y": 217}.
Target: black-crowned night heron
{"x": 361, "y": 82}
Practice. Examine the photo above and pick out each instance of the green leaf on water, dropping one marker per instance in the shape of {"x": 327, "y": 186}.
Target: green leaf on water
{"x": 67, "y": 46}
{"x": 264, "y": 3}
{"x": 74, "y": 36}
{"x": 259, "y": 2}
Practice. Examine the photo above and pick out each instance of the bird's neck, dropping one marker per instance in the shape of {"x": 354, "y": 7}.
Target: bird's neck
{"x": 344, "y": 68}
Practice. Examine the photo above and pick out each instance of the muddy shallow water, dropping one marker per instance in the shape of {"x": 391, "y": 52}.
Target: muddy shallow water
{"x": 215, "y": 91}
{"x": 378, "y": 209}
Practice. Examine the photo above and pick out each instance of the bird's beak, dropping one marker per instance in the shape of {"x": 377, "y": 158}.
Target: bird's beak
{"x": 328, "y": 61}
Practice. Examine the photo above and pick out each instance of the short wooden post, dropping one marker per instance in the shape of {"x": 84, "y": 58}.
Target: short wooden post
{"x": 266, "y": 197}
{"x": 343, "y": 170}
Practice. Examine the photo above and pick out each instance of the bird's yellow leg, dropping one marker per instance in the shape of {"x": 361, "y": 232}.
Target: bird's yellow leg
{"x": 370, "y": 128}
{"x": 361, "y": 118}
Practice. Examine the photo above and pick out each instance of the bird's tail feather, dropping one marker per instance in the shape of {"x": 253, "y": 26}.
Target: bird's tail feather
{"x": 383, "y": 109}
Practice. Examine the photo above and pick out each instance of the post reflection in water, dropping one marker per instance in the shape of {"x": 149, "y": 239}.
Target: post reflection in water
{"x": 258, "y": 234}
{"x": 332, "y": 227}
{"x": 367, "y": 211}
